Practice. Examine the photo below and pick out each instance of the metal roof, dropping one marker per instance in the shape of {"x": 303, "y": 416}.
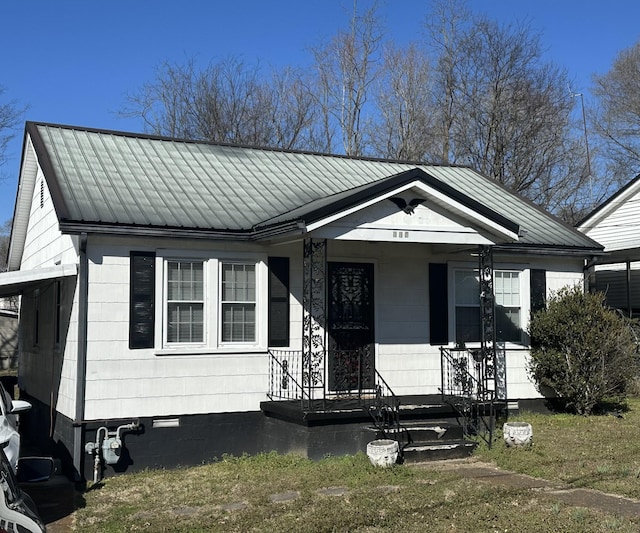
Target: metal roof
{"x": 123, "y": 179}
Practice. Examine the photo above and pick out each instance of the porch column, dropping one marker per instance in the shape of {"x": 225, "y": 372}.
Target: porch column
{"x": 494, "y": 359}
{"x": 314, "y": 274}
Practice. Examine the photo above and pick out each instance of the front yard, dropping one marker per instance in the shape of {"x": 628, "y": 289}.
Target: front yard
{"x": 288, "y": 493}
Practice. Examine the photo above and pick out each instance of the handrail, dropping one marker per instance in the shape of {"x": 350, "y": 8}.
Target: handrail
{"x": 463, "y": 374}
{"x": 284, "y": 366}
{"x": 383, "y": 407}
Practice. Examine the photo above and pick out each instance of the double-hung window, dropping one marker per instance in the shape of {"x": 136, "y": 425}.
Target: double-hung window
{"x": 238, "y": 302}
{"x": 506, "y": 287}
{"x": 468, "y": 319}
{"x": 185, "y": 302}
{"x": 467, "y": 301}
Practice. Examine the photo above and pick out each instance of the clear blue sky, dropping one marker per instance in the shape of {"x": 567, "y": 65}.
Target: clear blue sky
{"x": 72, "y": 61}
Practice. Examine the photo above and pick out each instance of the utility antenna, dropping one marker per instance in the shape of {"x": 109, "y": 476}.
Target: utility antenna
{"x": 586, "y": 137}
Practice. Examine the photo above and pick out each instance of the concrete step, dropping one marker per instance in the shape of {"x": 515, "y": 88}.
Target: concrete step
{"x": 434, "y": 451}
{"x": 428, "y": 431}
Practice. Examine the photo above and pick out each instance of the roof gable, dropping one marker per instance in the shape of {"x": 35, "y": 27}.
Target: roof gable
{"x": 423, "y": 208}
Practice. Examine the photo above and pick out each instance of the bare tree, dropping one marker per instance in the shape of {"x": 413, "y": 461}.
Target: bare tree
{"x": 616, "y": 119}
{"x": 405, "y": 127}
{"x": 504, "y": 111}
{"x": 5, "y": 233}
{"x": 10, "y": 114}
{"x": 346, "y": 68}
{"x": 227, "y": 101}
{"x": 447, "y": 25}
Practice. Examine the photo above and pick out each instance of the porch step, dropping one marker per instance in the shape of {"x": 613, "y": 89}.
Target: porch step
{"x": 431, "y": 431}
{"x": 435, "y": 451}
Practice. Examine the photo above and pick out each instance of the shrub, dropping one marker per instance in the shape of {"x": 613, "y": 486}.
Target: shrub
{"x": 582, "y": 350}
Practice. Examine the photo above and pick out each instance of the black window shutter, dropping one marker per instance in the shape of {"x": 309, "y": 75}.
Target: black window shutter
{"x": 278, "y": 301}
{"x": 538, "y": 289}
{"x": 142, "y": 300}
{"x": 438, "y": 304}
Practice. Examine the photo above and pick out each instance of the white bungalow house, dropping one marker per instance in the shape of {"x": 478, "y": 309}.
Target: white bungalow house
{"x": 616, "y": 225}
{"x": 181, "y": 291}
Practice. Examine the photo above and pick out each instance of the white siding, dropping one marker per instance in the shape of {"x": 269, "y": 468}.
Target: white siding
{"x": 152, "y": 382}
{"x": 620, "y": 228}
{"x": 44, "y": 244}
{"x": 124, "y": 383}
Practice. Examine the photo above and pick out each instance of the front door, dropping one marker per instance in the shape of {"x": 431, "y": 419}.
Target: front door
{"x": 351, "y": 354}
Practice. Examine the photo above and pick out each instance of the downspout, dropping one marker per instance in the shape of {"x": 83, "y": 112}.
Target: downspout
{"x": 81, "y": 364}
{"x": 629, "y": 304}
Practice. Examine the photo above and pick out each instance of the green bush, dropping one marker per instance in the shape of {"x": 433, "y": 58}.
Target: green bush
{"x": 582, "y": 350}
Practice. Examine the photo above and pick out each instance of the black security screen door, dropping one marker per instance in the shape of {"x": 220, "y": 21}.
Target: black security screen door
{"x": 350, "y": 327}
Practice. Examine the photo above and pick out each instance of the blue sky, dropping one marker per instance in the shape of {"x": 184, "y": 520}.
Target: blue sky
{"x": 72, "y": 61}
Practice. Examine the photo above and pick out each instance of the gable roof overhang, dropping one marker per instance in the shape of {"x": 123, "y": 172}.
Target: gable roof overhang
{"x": 609, "y": 205}
{"x": 322, "y": 212}
{"x": 14, "y": 283}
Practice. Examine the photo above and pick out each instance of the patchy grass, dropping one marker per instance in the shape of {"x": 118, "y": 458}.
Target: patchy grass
{"x": 236, "y": 494}
{"x": 599, "y": 452}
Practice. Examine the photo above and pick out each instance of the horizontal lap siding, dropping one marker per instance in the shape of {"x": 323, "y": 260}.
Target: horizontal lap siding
{"x": 47, "y": 372}
{"x": 124, "y": 383}
{"x": 405, "y": 359}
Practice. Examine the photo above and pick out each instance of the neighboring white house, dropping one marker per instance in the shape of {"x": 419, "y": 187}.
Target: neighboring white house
{"x": 161, "y": 279}
{"x": 616, "y": 225}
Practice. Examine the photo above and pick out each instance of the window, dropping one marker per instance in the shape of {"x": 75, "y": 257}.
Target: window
{"x": 204, "y": 304}
{"x": 185, "y": 302}
{"x": 467, "y": 300}
{"x": 506, "y": 287}
{"x": 238, "y": 302}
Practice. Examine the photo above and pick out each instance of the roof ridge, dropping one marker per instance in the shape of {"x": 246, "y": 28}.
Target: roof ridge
{"x": 151, "y": 136}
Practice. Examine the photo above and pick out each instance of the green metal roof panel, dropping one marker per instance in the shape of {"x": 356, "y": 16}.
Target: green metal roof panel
{"x": 132, "y": 179}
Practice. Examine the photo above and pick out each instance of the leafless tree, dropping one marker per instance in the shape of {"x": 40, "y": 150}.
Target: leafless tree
{"x": 5, "y": 233}
{"x": 10, "y": 115}
{"x": 405, "y": 125}
{"x": 504, "y": 111}
{"x": 226, "y": 101}
{"x": 616, "y": 118}
{"x": 346, "y": 69}
{"x": 447, "y": 24}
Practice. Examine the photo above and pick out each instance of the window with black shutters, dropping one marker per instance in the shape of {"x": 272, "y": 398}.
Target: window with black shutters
{"x": 278, "y": 301}
{"x": 142, "y": 300}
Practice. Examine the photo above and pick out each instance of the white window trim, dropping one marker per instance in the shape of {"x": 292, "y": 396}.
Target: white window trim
{"x": 165, "y": 302}
{"x": 524, "y": 276}
{"x": 212, "y": 275}
{"x": 221, "y": 301}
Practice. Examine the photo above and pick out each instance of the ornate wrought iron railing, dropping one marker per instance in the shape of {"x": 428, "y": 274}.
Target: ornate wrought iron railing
{"x": 384, "y": 408}
{"x": 354, "y": 380}
{"x": 466, "y": 374}
{"x": 468, "y": 384}
{"x": 286, "y": 377}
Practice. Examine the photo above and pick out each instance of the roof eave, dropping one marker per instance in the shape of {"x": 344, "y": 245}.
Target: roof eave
{"x": 254, "y": 234}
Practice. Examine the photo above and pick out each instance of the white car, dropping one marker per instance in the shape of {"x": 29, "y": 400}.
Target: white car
{"x": 9, "y": 436}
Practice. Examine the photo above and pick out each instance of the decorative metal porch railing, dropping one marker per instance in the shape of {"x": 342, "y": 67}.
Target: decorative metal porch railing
{"x": 468, "y": 384}
{"x": 355, "y": 381}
